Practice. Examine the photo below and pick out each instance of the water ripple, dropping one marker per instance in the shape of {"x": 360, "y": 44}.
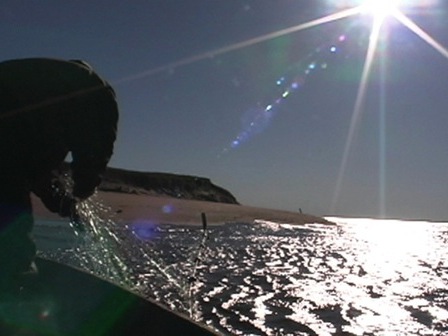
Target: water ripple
{"x": 359, "y": 277}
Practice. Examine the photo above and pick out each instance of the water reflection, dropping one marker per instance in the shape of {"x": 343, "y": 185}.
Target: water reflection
{"x": 359, "y": 277}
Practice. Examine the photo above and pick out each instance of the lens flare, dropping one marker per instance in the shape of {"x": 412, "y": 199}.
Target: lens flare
{"x": 256, "y": 120}
{"x": 145, "y": 230}
{"x": 263, "y": 114}
{"x": 380, "y": 9}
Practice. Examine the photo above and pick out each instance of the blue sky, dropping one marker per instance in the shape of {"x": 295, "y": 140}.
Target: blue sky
{"x": 212, "y": 118}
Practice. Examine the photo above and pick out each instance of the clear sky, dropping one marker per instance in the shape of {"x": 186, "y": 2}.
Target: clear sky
{"x": 276, "y": 122}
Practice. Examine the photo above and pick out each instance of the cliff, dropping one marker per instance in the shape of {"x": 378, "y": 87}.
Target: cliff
{"x": 133, "y": 196}
{"x": 164, "y": 184}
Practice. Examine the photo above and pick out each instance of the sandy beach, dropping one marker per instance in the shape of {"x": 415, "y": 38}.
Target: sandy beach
{"x": 131, "y": 208}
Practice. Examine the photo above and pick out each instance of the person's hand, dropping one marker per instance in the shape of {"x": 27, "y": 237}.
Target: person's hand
{"x": 58, "y": 200}
{"x": 67, "y": 208}
{"x": 67, "y": 205}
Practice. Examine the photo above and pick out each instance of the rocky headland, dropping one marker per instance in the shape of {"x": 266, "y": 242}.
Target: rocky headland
{"x": 164, "y": 184}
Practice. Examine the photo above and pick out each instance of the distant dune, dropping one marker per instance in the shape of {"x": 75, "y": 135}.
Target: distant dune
{"x": 178, "y": 199}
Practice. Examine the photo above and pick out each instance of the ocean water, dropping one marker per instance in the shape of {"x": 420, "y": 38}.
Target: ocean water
{"x": 358, "y": 277}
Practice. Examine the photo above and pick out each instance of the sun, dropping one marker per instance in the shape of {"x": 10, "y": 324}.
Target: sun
{"x": 380, "y": 9}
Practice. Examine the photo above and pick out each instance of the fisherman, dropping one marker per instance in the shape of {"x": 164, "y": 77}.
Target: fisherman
{"x": 48, "y": 108}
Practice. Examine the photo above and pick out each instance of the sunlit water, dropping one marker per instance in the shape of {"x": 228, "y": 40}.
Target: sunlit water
{"x": 359, "y": 277}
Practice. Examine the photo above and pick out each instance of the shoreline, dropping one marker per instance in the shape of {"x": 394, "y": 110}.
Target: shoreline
{"x": 131, "y": 208}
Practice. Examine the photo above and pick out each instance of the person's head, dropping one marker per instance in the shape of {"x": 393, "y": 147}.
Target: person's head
{"x": 91, "y": 126}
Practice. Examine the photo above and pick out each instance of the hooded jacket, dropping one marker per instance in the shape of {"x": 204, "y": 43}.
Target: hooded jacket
{"x": 49, "y": 108}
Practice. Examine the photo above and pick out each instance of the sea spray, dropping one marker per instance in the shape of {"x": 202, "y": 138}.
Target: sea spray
{"x": 99, "y": 241}
{"x": 122, "y": 253}
{"x": 171, "y": 275}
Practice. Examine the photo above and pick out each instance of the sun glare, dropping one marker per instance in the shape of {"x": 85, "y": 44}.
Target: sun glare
{"x": 380, "y": 9}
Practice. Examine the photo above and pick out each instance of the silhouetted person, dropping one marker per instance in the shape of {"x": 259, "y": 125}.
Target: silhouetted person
{"x": 48, "y": 108}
